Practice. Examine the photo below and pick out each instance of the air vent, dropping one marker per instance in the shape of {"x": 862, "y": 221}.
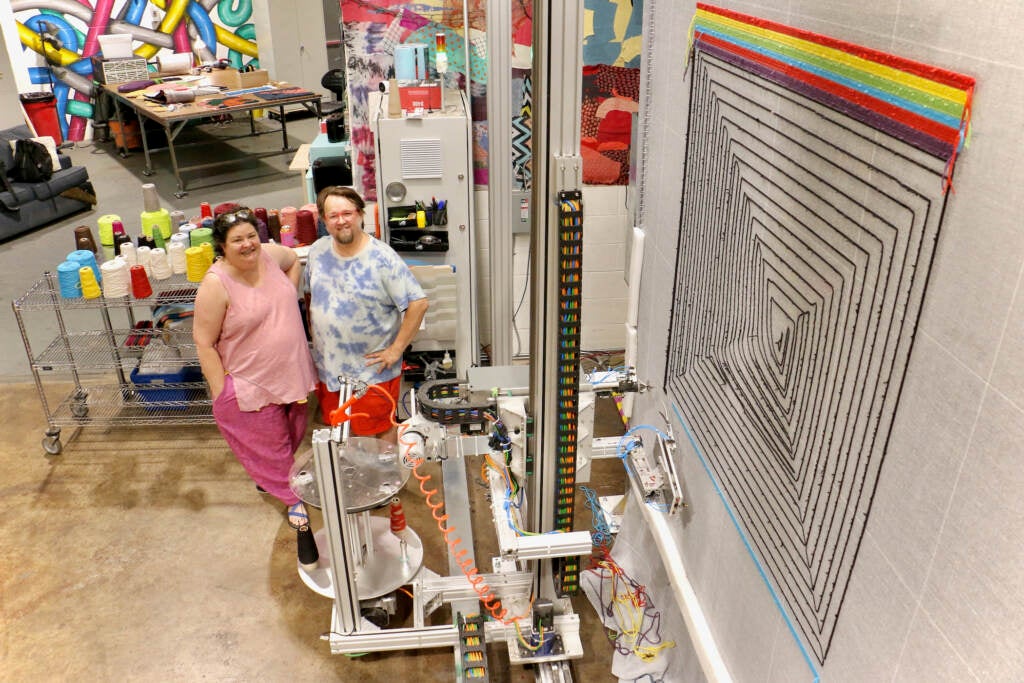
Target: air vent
{"x": 421, "y": 158}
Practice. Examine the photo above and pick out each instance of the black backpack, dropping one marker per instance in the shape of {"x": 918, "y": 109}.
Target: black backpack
{"x": 32, "y": 162}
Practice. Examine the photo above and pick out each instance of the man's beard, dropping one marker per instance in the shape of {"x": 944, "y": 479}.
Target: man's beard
{"x": 345, "y": 238}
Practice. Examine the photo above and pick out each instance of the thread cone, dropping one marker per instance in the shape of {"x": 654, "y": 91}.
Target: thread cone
{"x": 397, "y": 516}
{"x": 308, "y": 554}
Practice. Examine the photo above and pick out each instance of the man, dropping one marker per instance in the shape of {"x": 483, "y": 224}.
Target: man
{"x": 365, "y": 307}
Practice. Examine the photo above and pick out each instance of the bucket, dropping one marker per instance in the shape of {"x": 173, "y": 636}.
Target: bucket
{"x": 41, "y": 110}
{"x": 127, "y": 136}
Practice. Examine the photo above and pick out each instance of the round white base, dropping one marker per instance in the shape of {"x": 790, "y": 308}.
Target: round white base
{"x": 384, "y": 571}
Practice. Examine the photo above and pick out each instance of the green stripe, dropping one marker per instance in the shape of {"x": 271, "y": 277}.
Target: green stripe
{"x": 906, "y": 92}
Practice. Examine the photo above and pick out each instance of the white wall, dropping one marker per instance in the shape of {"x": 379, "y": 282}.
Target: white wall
{"x": 10, "y": 111}
{"x": 938, "y": 585}
{"x": 604, "y": 288}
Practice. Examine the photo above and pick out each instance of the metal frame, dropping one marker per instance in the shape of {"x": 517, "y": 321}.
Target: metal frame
{"x": 172, "y": 124}
{"x": 100, "y": 353}
{"x": 499, "y": 178}
{"x": 558, "y": 167}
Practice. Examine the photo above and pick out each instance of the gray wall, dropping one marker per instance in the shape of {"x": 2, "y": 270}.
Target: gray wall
{"x": 937, "y": 589}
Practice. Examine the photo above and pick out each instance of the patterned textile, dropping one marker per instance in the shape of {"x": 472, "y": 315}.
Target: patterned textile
{"x": 610, "y": 96}
{"x": 356, "y": 307}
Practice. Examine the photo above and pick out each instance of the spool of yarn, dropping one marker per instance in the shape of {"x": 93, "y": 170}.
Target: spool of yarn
{"x": 115, "y": 278}
{"x": 204, "y": 210}
{"x": 177, "y": 218}
{"x": 84, "y": 239}
{"x": 261, "y": 223}
{"x": 311, "y": 207}
{"x": 106, "y": 227}
{"x": 90, "y": 287}
{"x": 129, "y": 254}
{"x": 207, "y": 223}
{"x": 274, "y": 225}
{"x": 178, "y": 238}
{"x": 288, "y": 236}
{"x": 84, "y": 257}
{"x": 143, "y": 253}
{"x": 68, "y": 279}
{"x": 150, "y": 199}
{"x": 225, "y": 207}
{"x": 288, "y": 216}
{"x": 305, "y": 227}
{"x": 140, "y": 283}
{"x": 177, "y": 255}
{"x": 208, "y": 253}
{"x": 144, "y": 241}
{"x": 195, "y": 264}
{"x": 186, "y": 229}
{"x": 159, "y": 266}
{"x": 156, "y": 224}
{"x": 200, "y": 235}
{"x": 120, "y": 236}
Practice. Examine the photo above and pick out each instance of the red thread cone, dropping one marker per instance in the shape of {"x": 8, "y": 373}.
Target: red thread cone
{"x": 140, "y": 283}
{"x": 397, "y": 516}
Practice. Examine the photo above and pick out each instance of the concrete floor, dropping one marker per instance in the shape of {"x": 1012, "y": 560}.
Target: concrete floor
{"x": 145, "y": 553}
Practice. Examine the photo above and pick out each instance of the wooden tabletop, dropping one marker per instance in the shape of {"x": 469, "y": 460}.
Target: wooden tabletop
{"x": 205, "y": 105}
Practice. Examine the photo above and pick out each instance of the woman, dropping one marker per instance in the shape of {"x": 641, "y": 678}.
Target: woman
{"x": 254, "y": 355}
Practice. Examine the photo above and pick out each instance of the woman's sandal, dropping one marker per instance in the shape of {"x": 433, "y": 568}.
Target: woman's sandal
{"x": 297, "y": 517}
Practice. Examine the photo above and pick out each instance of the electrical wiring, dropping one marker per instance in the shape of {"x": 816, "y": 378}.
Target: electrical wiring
{"x": 466, "y": 563}
{"x": 637, "y": 623}
{"x": 602, "y": 534}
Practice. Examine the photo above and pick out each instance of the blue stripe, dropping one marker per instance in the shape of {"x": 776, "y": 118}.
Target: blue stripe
{"x": 746, "y": 544}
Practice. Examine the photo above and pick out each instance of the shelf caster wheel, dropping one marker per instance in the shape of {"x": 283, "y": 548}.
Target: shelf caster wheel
{"x": 123, "y": 155}
{"x": 51, "y": 442}
{"x": 147, "y": 172}
{"x": 181, "y": 193}
{"x": 79, "y": 409}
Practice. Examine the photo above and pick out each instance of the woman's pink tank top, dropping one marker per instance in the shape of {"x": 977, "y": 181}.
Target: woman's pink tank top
{"x": 262, "y": 342}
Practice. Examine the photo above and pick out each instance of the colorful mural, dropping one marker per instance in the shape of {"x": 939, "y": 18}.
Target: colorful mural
{"x": 60, "y": 36}
{"x": 611, "y": 55}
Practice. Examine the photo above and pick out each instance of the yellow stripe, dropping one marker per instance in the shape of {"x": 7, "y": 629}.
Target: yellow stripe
{"x": 224, "y": 36}
{"x": 893, "y": 74}
{"x": 32, "y": 41}
{"x": 170, "y": 22}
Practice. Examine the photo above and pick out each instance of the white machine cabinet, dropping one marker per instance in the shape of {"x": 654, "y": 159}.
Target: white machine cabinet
{"x": 427, "y": 159}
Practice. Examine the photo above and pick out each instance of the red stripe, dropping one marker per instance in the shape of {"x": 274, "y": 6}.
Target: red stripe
{"x": 916, "y": 121}
{"x": 933, "y": 73}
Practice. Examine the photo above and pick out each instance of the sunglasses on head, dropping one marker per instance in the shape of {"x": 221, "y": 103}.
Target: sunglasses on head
{"x": 240, "y": 216}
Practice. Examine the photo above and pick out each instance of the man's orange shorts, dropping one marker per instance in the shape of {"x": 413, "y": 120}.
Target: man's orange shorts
{"x": 373, "y": 403}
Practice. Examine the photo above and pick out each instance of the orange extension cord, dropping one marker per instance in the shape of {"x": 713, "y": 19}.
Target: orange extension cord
{"x": 490, "y": 601}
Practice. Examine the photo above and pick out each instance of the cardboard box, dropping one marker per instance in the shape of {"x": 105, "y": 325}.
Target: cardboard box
{"x": 232, "y": 79}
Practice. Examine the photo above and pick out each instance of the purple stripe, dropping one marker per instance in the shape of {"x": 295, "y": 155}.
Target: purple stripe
{"x": 896, "y": 129}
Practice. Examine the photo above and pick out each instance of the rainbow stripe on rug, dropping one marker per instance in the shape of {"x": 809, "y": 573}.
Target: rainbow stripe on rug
{"x": 924, "y": 106}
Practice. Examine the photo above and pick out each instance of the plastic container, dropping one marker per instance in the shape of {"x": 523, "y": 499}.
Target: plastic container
{"x": 41, "y": 110}
{"x": 157, "y": 393}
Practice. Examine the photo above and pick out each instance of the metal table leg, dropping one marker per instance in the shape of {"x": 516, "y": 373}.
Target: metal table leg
{"x": 148, "y": 171}
{"x": 284, "y": 126}
{"x": 172, "y": 133}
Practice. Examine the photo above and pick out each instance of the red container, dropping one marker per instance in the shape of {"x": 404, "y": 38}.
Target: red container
{"x": 41, "y": 110}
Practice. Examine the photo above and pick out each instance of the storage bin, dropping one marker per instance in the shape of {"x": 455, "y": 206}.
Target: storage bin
{"x": 151, "y": 387}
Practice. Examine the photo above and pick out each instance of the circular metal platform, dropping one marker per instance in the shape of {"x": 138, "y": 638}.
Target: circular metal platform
{"x": 384, "y": 571}
{"x": 372, "y": 473}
